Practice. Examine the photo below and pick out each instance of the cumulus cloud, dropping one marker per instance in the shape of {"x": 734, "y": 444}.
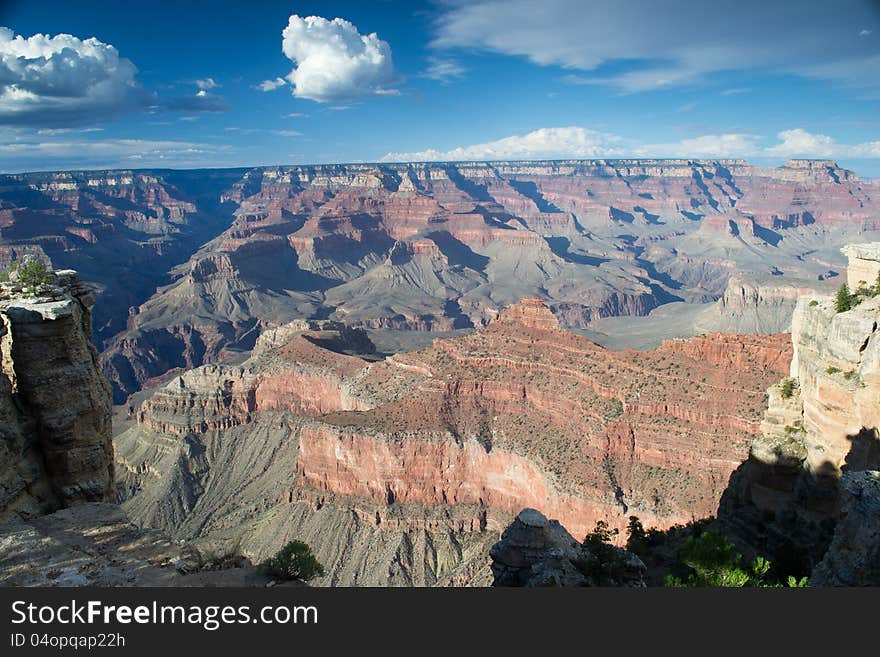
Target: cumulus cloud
{"x": 271, "y": 85}
{"x": 579, "y": 142}
{"x": 62, "y": 80}
{"x": 644, "y": 44}
{"x": 723, "y": 146}
{"x": 333, "y": 61}
{"x": 800, "y": 143}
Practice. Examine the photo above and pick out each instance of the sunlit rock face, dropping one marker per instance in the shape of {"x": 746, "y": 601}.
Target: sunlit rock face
{"x": 810, "y": 467}
{"x": 864, "y": 264}
{"x": 445, "y": 444}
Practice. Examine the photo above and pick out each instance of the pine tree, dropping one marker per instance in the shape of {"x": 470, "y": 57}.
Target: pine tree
{"x": 844, "y": 299}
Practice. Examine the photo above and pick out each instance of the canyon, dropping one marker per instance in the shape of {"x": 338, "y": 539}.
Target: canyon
{"x": 391, "y": 362}
{"x": 191, "y": 266}
{"x": 404, "y": 470}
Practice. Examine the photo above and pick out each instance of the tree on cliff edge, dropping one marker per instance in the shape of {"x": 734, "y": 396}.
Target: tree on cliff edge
{"x": 32, "y": 273}
{"x": 844, "y": 299}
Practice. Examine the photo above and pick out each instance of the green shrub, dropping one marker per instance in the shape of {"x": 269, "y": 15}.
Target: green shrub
{"x": 714, "y": 562}
{"x": 814, "y": 303}
{"x": 295, "y": 561}
{"x": 787, "y": 388}
{"x": 602, "y": 561}
{"x": 32, "y": 273}
{"x": 832, "y": 370}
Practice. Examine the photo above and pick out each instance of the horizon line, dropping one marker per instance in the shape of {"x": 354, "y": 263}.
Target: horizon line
{"x": 381, "y": 163}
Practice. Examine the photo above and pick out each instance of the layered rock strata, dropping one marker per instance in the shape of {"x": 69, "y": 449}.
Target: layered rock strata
{"x": 444, "y": 246}
{"x": 453, "y": 440}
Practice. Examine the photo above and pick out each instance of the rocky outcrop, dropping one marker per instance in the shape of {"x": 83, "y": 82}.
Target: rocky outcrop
{"x": 57, "y": 448}
{"x": 821, "y": 424}
{"x": 58, "y": 526}
{"x": 535, "y": 551}
{"x": 96, "y": 545}
{"x": 864, "y": 264}
{"x": 853, "y": 558}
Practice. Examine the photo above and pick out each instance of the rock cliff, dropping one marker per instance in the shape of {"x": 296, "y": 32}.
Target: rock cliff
{"x": 59, "y": 525}
{"x": 57, "y": 446}
{"x": 821, "y": 425}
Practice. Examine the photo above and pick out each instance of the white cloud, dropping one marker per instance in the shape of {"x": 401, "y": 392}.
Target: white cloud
{"x": 675, "y": 42}
{"x": 207, "y": 84}
{"x": 271, "y": 85}
{"x": 800, "y": 143}
{"x": 63, "y": 80}
{"x": 287, "y": 133}
{"x": 724, "y": 146}
{"x": 443, "y": 70}
{"x": 333, "y": 61}
{"x": 579, "y": 142}
{"x": 544, "y": 143}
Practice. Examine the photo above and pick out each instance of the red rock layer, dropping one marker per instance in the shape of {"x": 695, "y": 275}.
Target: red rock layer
{"x": 520, "y": 413}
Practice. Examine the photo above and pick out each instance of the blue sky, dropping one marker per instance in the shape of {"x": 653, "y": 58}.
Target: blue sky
{"x": 178, "y": 84}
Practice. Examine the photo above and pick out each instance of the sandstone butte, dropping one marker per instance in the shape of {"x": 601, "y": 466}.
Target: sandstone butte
{"x": 455, "y": 439}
